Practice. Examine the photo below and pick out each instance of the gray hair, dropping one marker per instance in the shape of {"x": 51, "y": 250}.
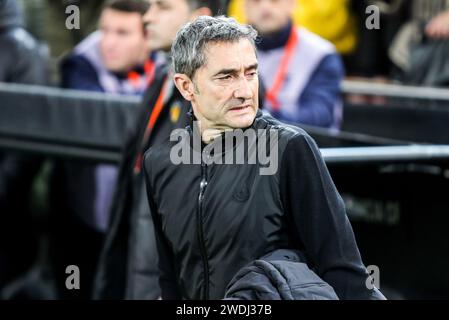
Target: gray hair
{"x": 188, "y": 48}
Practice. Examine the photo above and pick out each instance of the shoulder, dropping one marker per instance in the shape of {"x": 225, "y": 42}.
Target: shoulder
{"x": 157, "y": 157}
{"x": 314, "y": 42}
{"x": 75, "y": 62}
{"x": 330, "y": 70}
{"x": 333, "y": 62}
{"x": 23, "y": 40}
{"x": 78, "y": 73}
{"x": 286, "y": 132}
{"x": 83, "y": 53}
{"x": 18, "y": 42}
{"x": 85, "y": 57}
{"x": 291, "y": 139}
{"x": 88, "y": 44}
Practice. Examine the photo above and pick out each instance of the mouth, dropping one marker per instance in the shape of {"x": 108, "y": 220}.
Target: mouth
{"x": 240, "y": 108}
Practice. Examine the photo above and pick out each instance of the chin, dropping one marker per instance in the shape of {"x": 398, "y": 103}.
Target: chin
{"x": 269, "y": 29}
{"x": 114, "y": 67}
{"x": 243, "y": 121}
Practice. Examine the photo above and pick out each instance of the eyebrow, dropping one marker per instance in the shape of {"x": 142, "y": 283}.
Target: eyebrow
{"x": 157, "y": 2}
{"x": 234, "y": 71}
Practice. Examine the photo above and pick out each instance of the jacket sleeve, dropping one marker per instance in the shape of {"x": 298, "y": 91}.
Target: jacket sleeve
{"x": 322, "y": 95}
{"x": 167, "y": 277}
{"x": 319, "y": 219}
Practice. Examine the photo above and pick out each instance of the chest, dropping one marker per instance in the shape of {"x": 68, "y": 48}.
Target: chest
{"x": 223, "y": 201}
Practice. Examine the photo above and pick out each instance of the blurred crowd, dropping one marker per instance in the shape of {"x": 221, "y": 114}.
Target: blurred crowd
{"x": 97, "y": 213}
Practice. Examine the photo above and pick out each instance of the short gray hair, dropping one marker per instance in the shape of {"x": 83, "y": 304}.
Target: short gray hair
{"x": 188, "y": 48}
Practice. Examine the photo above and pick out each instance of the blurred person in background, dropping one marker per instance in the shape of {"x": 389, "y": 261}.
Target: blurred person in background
{"x": 301, "y": 71}
{"x": 22, "y": 60}
{"x": 370, "y": 61}
{"x": 113, "y": 60}
{"x": 332, "y": 19}
{"x": 46, "y": 20}
{"x": 410, "y": 46}
{"x": 128, "y": 265}
{"x": 19, "y": 49}
{"x": 420, "y": 48}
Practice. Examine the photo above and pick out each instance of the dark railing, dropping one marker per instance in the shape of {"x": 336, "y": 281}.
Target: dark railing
{"x": 92, "y": 126}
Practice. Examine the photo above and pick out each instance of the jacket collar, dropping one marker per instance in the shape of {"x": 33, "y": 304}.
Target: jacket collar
{"x": 275, "y": 40}
{"x": 195, "y": 135}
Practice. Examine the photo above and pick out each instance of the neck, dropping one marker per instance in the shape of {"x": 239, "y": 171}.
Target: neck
{"x": 123, "y": 74}
{"x": 208, "y": 131}
{"x": 211, "y": 132}
{"x": 276, "y": 39}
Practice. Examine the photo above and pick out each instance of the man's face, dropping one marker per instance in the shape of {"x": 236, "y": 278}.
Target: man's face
{"x": 268, "y": 16}
{"x": 226, "y": 93}
{"x": 163, "y": 20}
{"x": 123, "y": 44}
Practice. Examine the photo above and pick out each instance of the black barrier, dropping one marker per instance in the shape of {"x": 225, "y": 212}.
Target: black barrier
{"x": 414, "y": 114}
{"x": 92, "y": 126}
{"x": 406, "y": 122}
{"x": 59, "y": 122}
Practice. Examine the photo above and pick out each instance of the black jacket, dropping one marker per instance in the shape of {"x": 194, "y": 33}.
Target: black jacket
{"x": 128, "y": 263}
{"x": 21, "y": 61}
{"x": 204, "y": 237}
{"x": 279, "y": 275}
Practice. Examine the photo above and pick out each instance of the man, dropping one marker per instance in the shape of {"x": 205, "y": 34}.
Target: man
{"x": 22, "y": 60}
{"x": 301, "y": 71}
{"x": 128, "y": 267}
{"x": 212, "y": 219}
{"x": 113, "y": 60}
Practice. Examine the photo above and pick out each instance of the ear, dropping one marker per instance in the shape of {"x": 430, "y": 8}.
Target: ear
{"x": 184, "y": 85}
{"x": 203, "y": 11}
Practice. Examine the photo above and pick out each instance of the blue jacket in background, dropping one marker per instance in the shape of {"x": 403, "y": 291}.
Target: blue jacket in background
{"x": 310, "y": 93}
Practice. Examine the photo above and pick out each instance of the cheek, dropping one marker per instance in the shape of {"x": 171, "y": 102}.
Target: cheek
{"x": 105, "y": 43}
{"x": 102, "y": 45}
{"x": 222, "y": 97}
{"x": 137, "y": 44}
{"x": 211, "y": 105}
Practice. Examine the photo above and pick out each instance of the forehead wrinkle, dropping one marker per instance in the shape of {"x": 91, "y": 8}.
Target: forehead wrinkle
{"x": 234, "y": 66}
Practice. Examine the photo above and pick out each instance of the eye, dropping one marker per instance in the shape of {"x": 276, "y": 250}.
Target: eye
{"x": 252, "y": 74}
{"x": 225, "y": 77}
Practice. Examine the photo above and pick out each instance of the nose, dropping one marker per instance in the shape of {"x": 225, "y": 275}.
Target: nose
{"x": 243, "y": 90}
{"x": 265, "y": 5}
